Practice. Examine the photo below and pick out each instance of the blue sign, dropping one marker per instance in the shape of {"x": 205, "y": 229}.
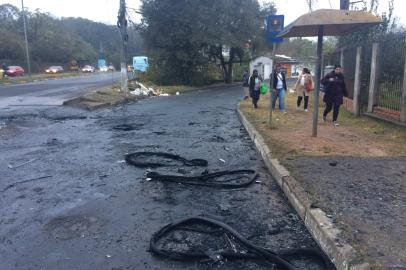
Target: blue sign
{"x": 101, "y": 63}
{"x": 140, "y": 63}
{"x": 274, "y": 25}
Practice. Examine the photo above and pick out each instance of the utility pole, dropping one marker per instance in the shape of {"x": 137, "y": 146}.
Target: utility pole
{"x": 344, "y": 4}
{"x": 122, "y": 25}
{"x": 26, "y": 40}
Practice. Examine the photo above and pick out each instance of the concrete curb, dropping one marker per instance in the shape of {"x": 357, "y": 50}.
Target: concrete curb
{"x": 316, "y": 221}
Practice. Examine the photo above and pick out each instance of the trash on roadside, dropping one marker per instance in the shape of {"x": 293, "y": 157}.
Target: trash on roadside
{"x": 222, "y": 160}
{"x": 217, "y": 138}
{"x": 22, "y": 164}
{"x": 177, "y": 93}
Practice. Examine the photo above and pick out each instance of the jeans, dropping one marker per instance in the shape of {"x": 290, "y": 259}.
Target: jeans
{"x": 336, "y": 109}
{"x": 255, "y": 97}
{"x": 278, "y": 93}
{"x": 306, "y": 101}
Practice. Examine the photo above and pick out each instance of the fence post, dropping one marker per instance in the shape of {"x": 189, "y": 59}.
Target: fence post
{"x": 357, "y": 83}
{"x": 403, "y": 104}
{"x": 342, "y": 58}
{"x": 373, "y": 80}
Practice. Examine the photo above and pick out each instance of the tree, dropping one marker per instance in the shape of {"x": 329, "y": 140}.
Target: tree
{"x": 186, "y": 36}
{"x": 59, "y": 40}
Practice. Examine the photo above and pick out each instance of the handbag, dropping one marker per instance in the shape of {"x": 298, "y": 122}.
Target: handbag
{"x": 308, "y": 85}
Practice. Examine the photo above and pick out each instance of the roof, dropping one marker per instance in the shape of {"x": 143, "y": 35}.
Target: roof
{"x": 335, "y": 22}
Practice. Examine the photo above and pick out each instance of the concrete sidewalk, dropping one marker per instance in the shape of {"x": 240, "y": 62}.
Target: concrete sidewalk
{"x": 352, "y": 202}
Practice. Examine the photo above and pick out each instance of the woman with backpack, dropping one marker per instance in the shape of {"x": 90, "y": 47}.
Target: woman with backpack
{"x": 304, "y": 85}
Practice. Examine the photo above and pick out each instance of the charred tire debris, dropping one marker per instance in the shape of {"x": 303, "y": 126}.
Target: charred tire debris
{"x": 140, "y": 159}
{"x": 208, "y": 179}
{"x": 240, "y": 179}
{"x": 247, "y": 250}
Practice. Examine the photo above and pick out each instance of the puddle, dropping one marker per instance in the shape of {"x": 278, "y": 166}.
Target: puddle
{"x": 69, "y": 227}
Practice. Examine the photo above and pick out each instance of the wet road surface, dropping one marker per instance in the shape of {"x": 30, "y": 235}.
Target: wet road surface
{"x": 92, "y": 211}
{"x": 53, "y": 92}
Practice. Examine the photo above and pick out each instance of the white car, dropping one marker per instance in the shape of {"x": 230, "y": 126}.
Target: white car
{"x": 88, "y": 68}
{"x": 103, "y": 69}
{"x": 54, "y": 69}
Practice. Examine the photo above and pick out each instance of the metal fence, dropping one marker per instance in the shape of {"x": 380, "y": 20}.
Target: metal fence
{"x": 391, "y": 61}
{"x": 390, "y": 72}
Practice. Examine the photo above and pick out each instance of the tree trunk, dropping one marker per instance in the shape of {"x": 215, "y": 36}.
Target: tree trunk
{"x": 228, "y": 78}
{"x": 228, "y": 75}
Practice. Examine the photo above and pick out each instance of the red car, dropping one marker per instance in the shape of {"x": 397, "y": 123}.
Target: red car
{"x": 14, "y": 71}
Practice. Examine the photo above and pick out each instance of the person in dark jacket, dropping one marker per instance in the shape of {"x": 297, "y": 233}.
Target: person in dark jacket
{"x": 279, "y": 88}
{"x": 254, "y": 87}
{"x": 245, "y": 84}
{"x": 335, "y": 93}
{"x": 4, "y": 67}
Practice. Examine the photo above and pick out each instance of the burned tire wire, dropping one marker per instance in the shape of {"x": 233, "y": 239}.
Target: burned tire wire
{"x": 209, "y": 179}
{"x": 140, "y": 159}
{"x": 251, "y": 251}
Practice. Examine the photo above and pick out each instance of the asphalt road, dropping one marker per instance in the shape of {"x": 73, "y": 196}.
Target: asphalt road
{"x": 93, "y": 211}
{"x": 53, "y": 92}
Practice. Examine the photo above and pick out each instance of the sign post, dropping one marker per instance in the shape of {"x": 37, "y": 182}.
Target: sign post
{"x": 274, "y": 24}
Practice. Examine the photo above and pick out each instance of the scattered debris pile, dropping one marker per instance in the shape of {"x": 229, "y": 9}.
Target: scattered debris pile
{"x": 138, "y": 89}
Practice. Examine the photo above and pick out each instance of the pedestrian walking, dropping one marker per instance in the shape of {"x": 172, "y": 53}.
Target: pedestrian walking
{"x": 245, "y": 84}
{"x": 254, "y": 88}
{"x": 279, "y": 88}
{"x": 303, "y": 87}
{"x": 4, "y": 67}
{"x": 335, "y": 91}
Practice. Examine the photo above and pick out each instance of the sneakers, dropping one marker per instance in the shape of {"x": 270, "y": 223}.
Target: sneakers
{"x": 297, "y": 109}
{"x": 306, "y": 110}
{"x": 335, "y": 123}
{"x": 324, "y": 119}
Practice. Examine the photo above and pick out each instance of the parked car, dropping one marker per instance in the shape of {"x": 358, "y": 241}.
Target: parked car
{"x": 111, "y": 68}
{"x": 54, "y": 69}
{"x": 14, "y": 71}
{"x": 103, "y": 68}
{"x": 88, "y": 68}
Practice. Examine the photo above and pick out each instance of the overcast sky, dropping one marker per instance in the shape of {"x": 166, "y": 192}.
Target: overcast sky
{"x": 106, "y": 10}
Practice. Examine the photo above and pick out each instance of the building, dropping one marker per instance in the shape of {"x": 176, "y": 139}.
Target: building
{"x": 263, "y": 64}
{"x": 290, "y": 66}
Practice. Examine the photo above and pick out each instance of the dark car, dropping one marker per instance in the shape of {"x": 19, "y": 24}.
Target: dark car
{"x": 14, "y": 71}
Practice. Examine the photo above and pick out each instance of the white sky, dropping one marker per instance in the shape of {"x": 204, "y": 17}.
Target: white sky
{"x": 106, "y": 10}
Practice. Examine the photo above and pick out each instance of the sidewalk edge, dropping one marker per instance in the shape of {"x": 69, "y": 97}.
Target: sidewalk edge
{"x": 321, "y": 227}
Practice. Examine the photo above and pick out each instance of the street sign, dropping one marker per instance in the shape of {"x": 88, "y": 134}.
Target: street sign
{"x": 274, "y": 24}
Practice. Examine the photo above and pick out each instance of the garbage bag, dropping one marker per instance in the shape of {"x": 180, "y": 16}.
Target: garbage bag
{"x": 263, "y": 88}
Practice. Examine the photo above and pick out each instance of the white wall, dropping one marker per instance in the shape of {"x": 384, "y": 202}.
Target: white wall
{"x": 263, "y": 65}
